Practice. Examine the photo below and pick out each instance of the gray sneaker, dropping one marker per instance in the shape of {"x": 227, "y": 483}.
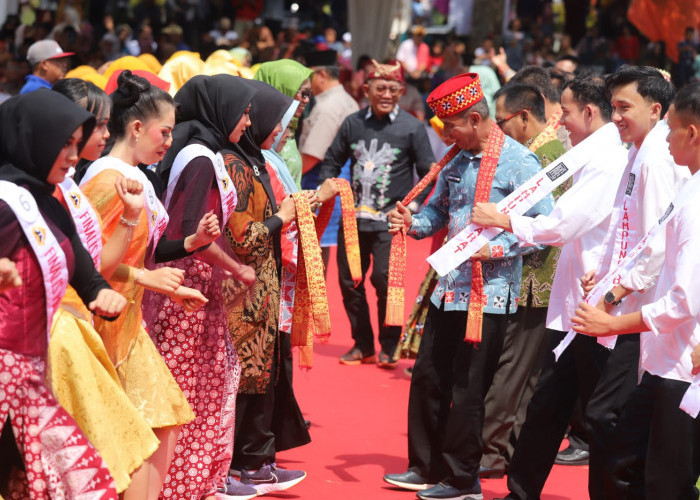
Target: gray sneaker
{"x": 271, "y": 478}
{"x": 235, "y": 490}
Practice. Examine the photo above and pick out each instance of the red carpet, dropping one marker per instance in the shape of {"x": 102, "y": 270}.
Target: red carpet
{"x": 358, "y": 417}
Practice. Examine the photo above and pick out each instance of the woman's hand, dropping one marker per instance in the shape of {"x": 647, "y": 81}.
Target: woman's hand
{"x": 189, "y": 298}
{"x": 695, "y": 357}
{"x": 287, "y": 210}
{"x": 327, "y": 191}
{"x": 130, "y": 191}
{"x": 9, "y": 277}
{"x": 164, "y": 279}
{"x": 208, "y": 230}
{"x": 108, "y": 304}
{"x": 245, "y": 274}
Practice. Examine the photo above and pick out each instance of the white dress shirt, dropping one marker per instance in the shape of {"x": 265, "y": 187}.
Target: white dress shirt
{"x": 579, "y": 222}
{"x": 674, "y": 315}
{"x": 659, "y": 180}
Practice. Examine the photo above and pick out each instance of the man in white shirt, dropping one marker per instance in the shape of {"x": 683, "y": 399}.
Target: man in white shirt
{"x": 654, "y": 445}
{"x": 579, "y": 222}
{"x": 640, "y": 97}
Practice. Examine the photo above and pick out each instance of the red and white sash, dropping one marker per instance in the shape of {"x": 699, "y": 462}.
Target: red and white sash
{"x": 48, "y": 251}
{"x": 157, "y": 215}
{"x": 625, "y": 265}
{"x": 227, "y": 191}
{"x": 86, "y": 221}
{"x": 465, "y": 243}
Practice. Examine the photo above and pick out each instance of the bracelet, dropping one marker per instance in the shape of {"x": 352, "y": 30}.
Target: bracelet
{"x": 127, "y": 222}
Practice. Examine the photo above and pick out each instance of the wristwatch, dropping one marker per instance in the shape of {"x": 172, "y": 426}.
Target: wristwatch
{"x": 609, "y": 298}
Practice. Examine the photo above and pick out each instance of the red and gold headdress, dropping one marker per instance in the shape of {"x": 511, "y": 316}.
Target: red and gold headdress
{"x": 455, "y": 95}
{"x": 386, "y": 72}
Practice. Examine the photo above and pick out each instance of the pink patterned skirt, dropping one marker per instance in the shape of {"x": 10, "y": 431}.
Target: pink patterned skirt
{"x": 59, "y": 461}
{"x": 198, "y": 350}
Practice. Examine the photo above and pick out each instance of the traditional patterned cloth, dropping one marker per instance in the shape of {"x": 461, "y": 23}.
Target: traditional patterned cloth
{"x": 59, "y": 460}
{"x": 385, "y": 72}
{"x": 539, "y": 267}
{"x": 198, "y": 343}
{"x": 252, "y": 315}
{"x": 397, "y": 258}
{"x": 142, "y": 372}
{"x": 455, "y": 95}
{"x": 484, "y": 180}
{"x": 347, "y": 209}
{"x": 311, "y": 302}
{"x": 86, "y": 385}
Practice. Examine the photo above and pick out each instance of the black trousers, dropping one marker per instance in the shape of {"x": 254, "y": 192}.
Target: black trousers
{"x": 524, "y": 351}
{"x": 374, "y": 246}
{"x": 446, "y": 401}
{"x": 614, "y": 389}
{"x": 561, "y": 383}
{"x": 655, "y": 449}
{"x": 270, "y": 422}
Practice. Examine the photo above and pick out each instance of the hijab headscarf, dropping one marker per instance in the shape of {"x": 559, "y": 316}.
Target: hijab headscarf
{"x": 210, "y": 108}
{"x": 34, "y": 127}
{"x": 268, "y": 107}
{"x": 285, "y": 75}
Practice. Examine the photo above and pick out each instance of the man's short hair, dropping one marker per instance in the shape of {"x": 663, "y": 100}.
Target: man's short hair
{"x": 520, "y": 96}
{"x": 651, "y": 84}
{"x": 538, "y": 78}
{"x": 687, "y": 103}
{"x": 589, "y": 88}
{"x": 481, "y": 107}
{"x": 331, "y": 71}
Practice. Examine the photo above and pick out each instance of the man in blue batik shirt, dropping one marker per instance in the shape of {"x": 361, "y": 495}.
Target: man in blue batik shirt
{"x": 451, "y": 376}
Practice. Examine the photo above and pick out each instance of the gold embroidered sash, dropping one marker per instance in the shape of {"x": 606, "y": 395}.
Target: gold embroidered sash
{"x": 397, "y": 256}
{"x": 311, "y": 302}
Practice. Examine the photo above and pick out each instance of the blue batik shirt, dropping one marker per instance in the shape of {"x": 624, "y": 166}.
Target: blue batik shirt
{"x": 451, "y": 205}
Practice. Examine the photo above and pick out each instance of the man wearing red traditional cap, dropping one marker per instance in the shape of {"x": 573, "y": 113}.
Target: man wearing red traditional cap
{"x": 453, "y": 371}
{"x": 386, "y": 146}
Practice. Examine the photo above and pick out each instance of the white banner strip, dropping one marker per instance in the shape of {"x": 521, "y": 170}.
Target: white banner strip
{"x": 468, "y": 241}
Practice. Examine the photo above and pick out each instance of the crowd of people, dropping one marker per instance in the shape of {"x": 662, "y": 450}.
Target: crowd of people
{"x": 165, "y": 224}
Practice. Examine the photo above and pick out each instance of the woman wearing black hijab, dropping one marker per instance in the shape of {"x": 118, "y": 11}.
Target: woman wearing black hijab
{"x": 253, "y": 232}
{"x": 37, "y": 148}
{"x": 213, "y": 112}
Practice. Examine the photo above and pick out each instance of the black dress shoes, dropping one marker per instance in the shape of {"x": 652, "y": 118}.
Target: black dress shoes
{"x": 408, "y": 480}
{"x": 572, "y": 456}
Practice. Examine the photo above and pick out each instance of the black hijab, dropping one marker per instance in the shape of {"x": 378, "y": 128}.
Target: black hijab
{"x": 268, "y": 107}
{"x": 34, "y": 127}
{"x": 209, "y": 109}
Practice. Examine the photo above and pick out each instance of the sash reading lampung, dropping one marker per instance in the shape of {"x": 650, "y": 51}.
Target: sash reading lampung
{"x": 468, "y": 241}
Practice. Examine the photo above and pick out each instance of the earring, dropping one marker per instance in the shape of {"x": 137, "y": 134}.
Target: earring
{"x": 137, "y": 138}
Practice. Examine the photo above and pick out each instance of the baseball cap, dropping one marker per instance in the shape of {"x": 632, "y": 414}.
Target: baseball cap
{"x": 45, "y": 49}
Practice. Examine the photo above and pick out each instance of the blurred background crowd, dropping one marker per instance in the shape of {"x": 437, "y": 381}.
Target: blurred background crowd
{"x": 433, "y": 39}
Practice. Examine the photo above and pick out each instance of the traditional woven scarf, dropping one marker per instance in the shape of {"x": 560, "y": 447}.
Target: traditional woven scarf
{"x": 549, "y": 132}
{"x": 310, "y": 302}
{"x": 397, "y": 256}
{"x": 347, "y": 211}
{"x": 484, "y": 179}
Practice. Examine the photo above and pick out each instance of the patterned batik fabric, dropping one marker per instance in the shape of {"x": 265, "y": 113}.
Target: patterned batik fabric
{"x": 198, "y": 350}
{"x": 252, "y": 315}
{"x": 60, "y": 463}
{"x": 539, "y": 267}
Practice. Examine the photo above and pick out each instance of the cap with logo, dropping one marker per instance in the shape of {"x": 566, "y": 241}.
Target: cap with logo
{"x": 45, "y": 49}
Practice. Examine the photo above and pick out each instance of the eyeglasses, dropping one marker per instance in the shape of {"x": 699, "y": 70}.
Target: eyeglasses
{"x": 394, "y": 90}
{"x": 501, "y": 122}
{"x": 305, "y": 93}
